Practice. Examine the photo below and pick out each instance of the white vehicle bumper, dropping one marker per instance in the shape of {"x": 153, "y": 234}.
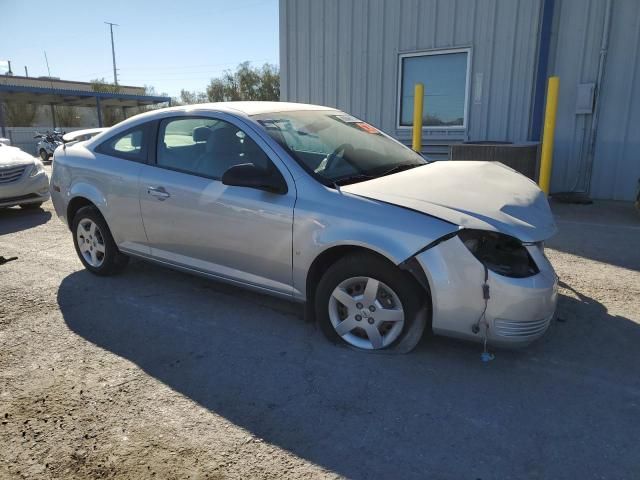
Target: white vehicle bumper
{"x": 25, "y": 190}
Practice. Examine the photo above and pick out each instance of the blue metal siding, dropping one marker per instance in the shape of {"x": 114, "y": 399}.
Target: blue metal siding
{"x": 616, "y": 168}
{"x": 578, "y": 29}
{"x": 575, "y": 48}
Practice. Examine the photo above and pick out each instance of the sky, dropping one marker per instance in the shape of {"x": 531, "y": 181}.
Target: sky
{"x": 169, "y": 45}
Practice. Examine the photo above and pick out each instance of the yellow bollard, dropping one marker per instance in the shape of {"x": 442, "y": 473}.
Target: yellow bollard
{"x": 546, "y": 161}
{"x": 418, "y": 100}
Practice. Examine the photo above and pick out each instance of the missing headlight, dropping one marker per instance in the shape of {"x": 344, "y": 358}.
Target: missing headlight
{"x": 500, "y": 253}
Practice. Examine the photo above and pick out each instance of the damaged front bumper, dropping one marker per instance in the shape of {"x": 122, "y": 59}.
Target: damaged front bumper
{"x": 518, "y": 310}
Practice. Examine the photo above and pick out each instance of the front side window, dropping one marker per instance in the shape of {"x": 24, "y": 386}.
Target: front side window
{"x": 205, "y": 146}
{"x": 444, "y": 76}
{"x": 337, "y": 148}
{"x": 130, "y": 145}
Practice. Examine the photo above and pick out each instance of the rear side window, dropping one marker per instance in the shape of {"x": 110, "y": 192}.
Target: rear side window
{"x": 130, "y": 145}
{"x": 205, "y": 147}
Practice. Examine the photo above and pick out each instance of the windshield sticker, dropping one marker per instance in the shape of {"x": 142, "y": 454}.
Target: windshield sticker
{"x": 367, "y": 128}
{"x": 347, "y": 119}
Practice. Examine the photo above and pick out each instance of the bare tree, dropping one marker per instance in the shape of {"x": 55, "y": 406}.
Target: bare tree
{"x": 111, "y": 116}
{"x": 67, "y": 116}
{"x": 151, "y": 91}
{"x": 19, "y": 114}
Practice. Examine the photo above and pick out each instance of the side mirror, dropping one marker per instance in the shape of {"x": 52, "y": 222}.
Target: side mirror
{"x": 248, "y": 175}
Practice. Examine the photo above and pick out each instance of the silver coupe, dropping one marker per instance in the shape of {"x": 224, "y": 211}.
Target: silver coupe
{"x": 314, "y": 205}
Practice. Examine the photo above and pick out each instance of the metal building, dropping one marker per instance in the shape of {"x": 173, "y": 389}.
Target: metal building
{"x": 484, "y": 64}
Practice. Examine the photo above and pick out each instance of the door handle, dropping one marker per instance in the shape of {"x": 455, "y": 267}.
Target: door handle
{"x": 159, "y": 192}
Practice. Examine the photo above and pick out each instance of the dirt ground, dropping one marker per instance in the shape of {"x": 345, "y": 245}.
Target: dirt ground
{"x": 156, "y": 374}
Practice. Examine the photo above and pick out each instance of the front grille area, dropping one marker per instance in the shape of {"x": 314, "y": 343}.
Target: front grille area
{"x": 509, "y": 328}
{"x": 11, "y": 174}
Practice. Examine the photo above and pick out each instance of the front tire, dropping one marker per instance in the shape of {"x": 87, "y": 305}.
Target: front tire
{"x": 44, "y": 155}
{"x": 370, "y": 304}
{"x": 94, "y": 243}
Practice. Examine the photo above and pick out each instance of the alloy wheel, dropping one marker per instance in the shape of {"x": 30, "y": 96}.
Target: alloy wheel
{"x": 90, "y": 242}
{"x": 366, "y": 313}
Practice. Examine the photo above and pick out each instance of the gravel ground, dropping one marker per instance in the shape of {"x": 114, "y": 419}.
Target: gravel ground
{"x": 156, "y": 374}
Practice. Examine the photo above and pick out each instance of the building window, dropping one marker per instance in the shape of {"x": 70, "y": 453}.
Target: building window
{"x": 445, "y": 75}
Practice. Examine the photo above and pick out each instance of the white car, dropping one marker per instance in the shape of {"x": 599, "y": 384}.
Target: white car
{"x": 82, "y": 135}
{"x": 23, "y": 180}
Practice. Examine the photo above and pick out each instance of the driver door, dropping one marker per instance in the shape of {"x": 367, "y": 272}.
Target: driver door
{"x": 192, "y": 220}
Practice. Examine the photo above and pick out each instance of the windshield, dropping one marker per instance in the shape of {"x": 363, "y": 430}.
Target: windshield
{"x": 338, "y": 148}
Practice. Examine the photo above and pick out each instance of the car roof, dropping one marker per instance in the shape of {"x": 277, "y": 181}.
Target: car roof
{"x": 250, "y": 107}
{"x": 247, "y": 108}
{"x": 255, "y": 108}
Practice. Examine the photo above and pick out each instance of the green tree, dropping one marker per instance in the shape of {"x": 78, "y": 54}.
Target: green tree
{"x": 110, "y": 115}
{"x": 190, "y": 97}
{"x": 269, "y": 88}
{"x": 101, "y": 85}
{"x": 246, "y": 83}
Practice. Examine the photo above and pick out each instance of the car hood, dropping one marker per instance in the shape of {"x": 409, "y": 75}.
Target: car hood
{"x": 480, "y": 195}
{"x": 13, "y": 157}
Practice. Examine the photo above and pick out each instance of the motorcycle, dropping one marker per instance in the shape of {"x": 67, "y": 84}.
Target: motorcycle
{"x": 49, "y": 141}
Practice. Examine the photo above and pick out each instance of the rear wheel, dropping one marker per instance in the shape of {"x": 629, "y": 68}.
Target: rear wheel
{"x": 44, "y": 155}
{"x": 94, "y": 243}
{"x": 370, "y": 304}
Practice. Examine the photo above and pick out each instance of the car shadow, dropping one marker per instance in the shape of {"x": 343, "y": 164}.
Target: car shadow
{"x": 438, "y": 412}
{"x": 17, "y": 219}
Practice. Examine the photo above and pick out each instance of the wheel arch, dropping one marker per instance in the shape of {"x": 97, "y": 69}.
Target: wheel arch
{"x": 331, "y": 255}
{"x": 79, "y": 201}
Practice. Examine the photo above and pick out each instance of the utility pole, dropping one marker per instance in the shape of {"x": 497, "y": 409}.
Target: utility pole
{"x": 47, "y": 62}
{"x": 113, "y": 52}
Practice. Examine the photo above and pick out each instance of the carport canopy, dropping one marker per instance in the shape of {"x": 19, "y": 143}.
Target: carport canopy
{"x": 76, "y": 98}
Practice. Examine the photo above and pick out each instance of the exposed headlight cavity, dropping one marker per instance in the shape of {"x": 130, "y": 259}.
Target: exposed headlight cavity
{"x": 500, "y": 253}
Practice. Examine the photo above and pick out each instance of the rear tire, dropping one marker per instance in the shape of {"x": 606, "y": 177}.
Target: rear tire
{"x": 44, "y": 155}
{"x": 31, "y": 206}
{"x": 369, "y": 304}
{"x": 94, "y": 243}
